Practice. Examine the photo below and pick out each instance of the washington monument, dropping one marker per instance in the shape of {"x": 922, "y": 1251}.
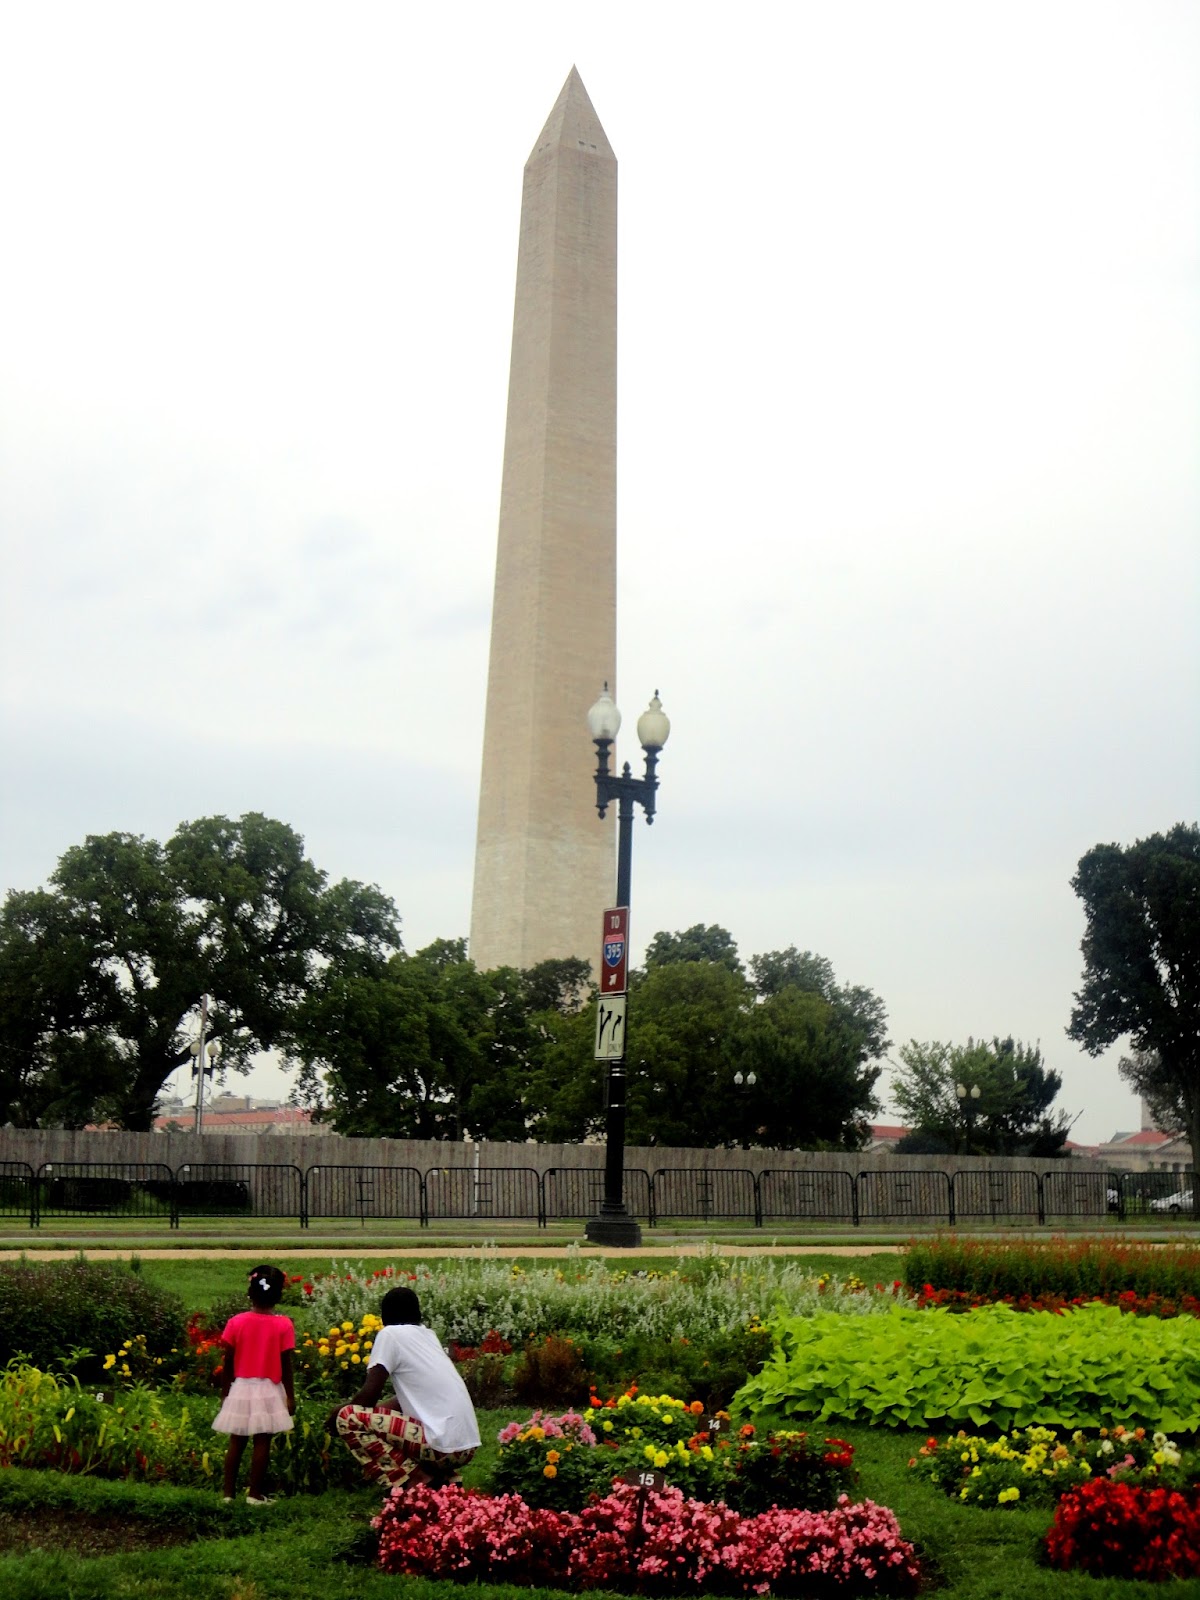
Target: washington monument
{"x": 544, "y": 862}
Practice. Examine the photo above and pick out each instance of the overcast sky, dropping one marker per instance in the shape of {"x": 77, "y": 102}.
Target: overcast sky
{"x": 909, "y": 487}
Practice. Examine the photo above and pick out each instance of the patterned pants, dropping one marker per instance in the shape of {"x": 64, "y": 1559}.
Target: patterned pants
{"x": 392, "y": 1446}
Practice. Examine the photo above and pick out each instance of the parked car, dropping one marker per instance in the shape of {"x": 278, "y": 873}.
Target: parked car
{"x": 1173, "y": 1202}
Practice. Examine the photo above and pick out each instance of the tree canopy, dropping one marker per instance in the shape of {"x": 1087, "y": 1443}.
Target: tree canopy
{"x": 1010, "y": 1114}
{"x": 1141, "y": 965}
{"x": 696, "y": 1021}
{"x": 101, "y": 972}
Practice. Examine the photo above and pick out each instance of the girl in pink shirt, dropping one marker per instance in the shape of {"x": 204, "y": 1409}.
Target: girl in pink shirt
{"x": 257, "y": 1395}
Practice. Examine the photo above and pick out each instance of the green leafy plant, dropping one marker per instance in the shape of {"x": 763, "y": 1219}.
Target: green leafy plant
{"x": 993, "y": 1366}
{"x": 47, "y": 1308}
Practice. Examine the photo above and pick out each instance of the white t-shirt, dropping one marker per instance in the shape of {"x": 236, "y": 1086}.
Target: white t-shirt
{"x": 427, "y": 1385}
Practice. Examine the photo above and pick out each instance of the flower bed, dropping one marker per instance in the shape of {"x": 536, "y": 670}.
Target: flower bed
{"x": 657, "y": 1542}
{"x": 465, "y": 1301}
{"x": 1055, "y": 1272}
{"x": 558, "y": 1462}
{"x": 1035, "y": 1466}
{"x": 1122, "y": 1530}
{"x": 153, "y": 1435}
{"x": 1086, "y": 1368}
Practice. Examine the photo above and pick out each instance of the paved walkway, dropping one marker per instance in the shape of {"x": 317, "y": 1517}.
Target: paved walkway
{"x": 209, "y": 1253}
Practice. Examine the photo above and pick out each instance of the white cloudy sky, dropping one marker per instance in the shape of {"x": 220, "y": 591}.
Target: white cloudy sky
{"x": 909, "y": 488}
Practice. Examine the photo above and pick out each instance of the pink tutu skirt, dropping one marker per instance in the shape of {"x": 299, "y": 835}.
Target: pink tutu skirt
{"x": 253, "y": 1405}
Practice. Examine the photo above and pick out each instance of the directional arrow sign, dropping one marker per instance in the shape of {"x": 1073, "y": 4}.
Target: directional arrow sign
{"x": 610, "y": 1028}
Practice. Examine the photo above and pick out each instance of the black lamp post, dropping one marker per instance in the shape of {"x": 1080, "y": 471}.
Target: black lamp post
{"x": 613, "y": 1225}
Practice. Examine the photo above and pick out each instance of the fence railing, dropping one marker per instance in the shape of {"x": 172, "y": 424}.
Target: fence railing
{"x": 571, "y": 1192}
{"x": 364, "y": 1192}
{"x": 151, "y": 1192}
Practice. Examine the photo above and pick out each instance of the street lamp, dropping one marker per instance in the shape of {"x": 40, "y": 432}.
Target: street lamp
{"x": 200, "y": 1065}
{"x": 967, "y": 1099}
{"x": 743, "y": 1087}
{"x": 613, "y": 1225}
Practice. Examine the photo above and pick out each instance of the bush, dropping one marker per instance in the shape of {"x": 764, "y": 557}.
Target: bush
{"x": 993, "y": 1367}
{"x": 48, "y": 1309}
{"x": 1117, "y": 1530}
{"x": 1068, "y": 1269}
{"x": 551, "y": 1372}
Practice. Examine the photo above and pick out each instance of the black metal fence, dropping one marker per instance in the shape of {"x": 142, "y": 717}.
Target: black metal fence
{"x": 823, "y": 1196}
{"x": 486, "y": 1193}
{"x": 704, "y": 1192}
{"x": 570, "y": 1192}
{"x": 148, "y": 1192}
{"x": 366, "y": 1192}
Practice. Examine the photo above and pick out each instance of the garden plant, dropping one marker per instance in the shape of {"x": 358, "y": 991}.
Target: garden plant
{"x": 818, "y": 1449}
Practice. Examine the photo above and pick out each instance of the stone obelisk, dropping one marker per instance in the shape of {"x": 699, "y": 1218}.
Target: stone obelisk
{"x": 544, "y": 862}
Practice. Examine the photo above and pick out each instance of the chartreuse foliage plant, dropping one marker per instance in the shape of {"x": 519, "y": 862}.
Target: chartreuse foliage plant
{"x": 1070, "y": 1269}
{"x": 1036, "y": 1465}
{"x": 993, "y": 1366}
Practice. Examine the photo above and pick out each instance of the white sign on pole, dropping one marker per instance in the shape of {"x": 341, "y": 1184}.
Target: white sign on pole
{"x": 610, "y": 1027}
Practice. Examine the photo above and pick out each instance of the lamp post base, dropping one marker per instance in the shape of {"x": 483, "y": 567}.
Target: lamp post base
{"x": 619, "y": 1231}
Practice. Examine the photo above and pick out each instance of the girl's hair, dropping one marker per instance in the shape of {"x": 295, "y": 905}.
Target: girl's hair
{"x": 400, "y": 1305}
{"x": 266, "y": 1286}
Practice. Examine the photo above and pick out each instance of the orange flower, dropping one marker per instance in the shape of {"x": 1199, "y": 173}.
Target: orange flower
{"x": 696, "y": 1408}
{"x": 552, "y": 1456}
{"x": 549, "y": 1472}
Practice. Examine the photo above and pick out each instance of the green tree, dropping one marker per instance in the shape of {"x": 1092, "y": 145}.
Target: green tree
{"x": 1011, "y": 1114}
{"x": 814, "y": 1077}
{"x": 778, "y": 970}
{"x": 1141, "y": 958}
{"x": 430, "y": 1047}
{"x": 100, "y": 973}
{"x": 697, "y": 943}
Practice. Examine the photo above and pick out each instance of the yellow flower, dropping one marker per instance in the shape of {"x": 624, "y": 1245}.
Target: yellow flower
{"x": 109, "y": 1362}
{"x": 550, "y": 1472}
{"x": 335, "y": 1333}
{"x": 346, "y": 1327}
{"x": 356, "y": 1361}
{"x": 608, "y": 1427}
{"x": 552, "y": 1456}
{"x": 661, "y": 1458}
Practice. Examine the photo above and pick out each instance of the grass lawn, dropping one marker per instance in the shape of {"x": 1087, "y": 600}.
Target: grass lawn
{"x": 318, "y": 1548}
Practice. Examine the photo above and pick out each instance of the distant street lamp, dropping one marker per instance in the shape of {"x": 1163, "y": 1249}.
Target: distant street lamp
{"x": 743, "y": 1086}
{"x": 613, "y": 1225}
{"x": 204, "y": 1059}
{"x": 968, "y": 1100}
